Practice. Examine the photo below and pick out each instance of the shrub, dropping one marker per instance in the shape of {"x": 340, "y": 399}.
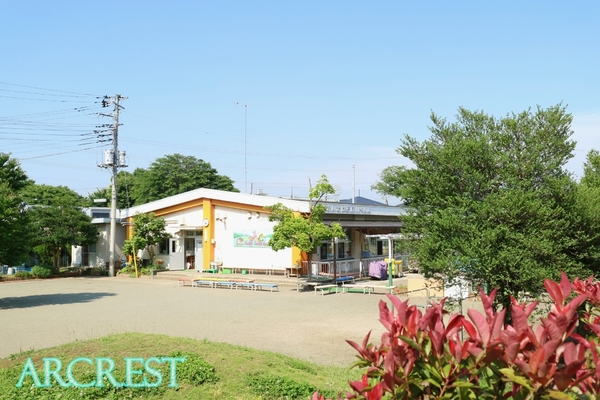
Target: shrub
{"x": 276, "y": 387}
{"x": 41, "y": 272}
{"x": 421, "y": 356}
{"x": 194, "y": 370}
{"x": 23, "y": 275}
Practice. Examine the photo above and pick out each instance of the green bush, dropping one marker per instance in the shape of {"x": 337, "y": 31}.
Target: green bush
{"x": 194, "y": 370}
{"x": 276, "y": 387}
{"x": 23, "y": 274}
{"x": 126, "y": 270}
{"x": 41, "y": 272}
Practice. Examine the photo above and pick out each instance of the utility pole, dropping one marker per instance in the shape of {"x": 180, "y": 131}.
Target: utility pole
{"x": 114, "y": 160}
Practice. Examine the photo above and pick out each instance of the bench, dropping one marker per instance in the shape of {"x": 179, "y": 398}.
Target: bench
{"x": 343, "y": 279}
{"x": 182, "y": 281}
{"x": 323, "y": 287}
{"x": 228, "y": 284}
{"x": 267, "y": 285}
{"x": 249, "y": 285}
{"x": 365, "y": 288}
{"x": 198, "y": 283}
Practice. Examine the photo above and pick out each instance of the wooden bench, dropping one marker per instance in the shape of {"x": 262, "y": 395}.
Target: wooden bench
{"x": 267, "y": 285}
{"x": 323, "y": 287}
{"x": 182, "y": 281}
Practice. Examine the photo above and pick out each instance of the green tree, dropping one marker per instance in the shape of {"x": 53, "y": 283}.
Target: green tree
{"x": 46, "y": 195}
{"x": 57, "y": 220}
{"x": 15, "y": 232}
{"x": 588, "y": 207}
{"x": 11, "y": 173}
{"x": 175, "y": 174}
{"x": 60, "y": 226}
{"x": 304, "y": 231}
{"x": 148, "y": 230}
{"x": 488, "y": 200}
{"x": 591, "y": 169}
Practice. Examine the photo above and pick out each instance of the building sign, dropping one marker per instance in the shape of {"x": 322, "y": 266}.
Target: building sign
{"x": 348, "y": 210}
{"x": 254, "y": 239}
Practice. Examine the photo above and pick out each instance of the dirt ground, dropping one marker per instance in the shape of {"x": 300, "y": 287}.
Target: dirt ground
{"x": 44, "y": 313}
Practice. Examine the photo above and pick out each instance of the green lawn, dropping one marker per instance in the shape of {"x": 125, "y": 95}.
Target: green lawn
{"x": 211, "y": 371}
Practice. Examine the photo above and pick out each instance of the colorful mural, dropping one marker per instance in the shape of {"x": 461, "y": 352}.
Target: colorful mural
{"x": 253, "y": 239}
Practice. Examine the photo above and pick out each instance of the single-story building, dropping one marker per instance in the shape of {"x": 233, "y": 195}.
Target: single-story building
{"x": 213, "y": 227}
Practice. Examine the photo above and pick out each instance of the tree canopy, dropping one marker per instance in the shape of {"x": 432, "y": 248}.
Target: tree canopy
{"x": 304, "y": 231}
{"x": 167, "y": 176}
{"x": 57, "y": 221}
{"x": 15, "y": 234}
{"x": 488, "y": 200}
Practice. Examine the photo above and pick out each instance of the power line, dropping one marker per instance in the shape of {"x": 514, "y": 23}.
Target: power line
{"x": 51, "y": 90}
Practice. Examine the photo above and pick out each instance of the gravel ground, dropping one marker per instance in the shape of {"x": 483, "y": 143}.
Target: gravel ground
{"x": 44, "y": 313}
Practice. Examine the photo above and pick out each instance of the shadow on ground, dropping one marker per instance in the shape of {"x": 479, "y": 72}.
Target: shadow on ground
{"x": 50, "y": 299}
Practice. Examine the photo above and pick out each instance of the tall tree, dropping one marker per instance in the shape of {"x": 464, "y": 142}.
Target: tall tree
{"x": 588, "y": 207}
{"x": 489, "y": 200}
{"x": 57, "y": 220}
{"x": 304, "y": 231}
{"x": 15, "y": 233}
{"x": 46, "y": 195}
{"x": 11, "y": 172}
{"x": 58, "y": 227}
{"x": 175, "y": 174}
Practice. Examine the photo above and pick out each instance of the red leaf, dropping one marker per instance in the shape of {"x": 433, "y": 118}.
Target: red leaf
{"x": 554, "y": 292}
{"x": 511, "y": 344}
{"x": 454, "y": 324}
{"x": 550, "y": 347}
{"x": 437, "y": 339}
{"x": 400, "y": 307}
{"x": 481, "y": 324}
{"x": 536, "y": 358}
{"x": 376, "y": 393}
{"x": 565, "y": 285}
{"x": 470, "y": 329}
{"x": 519, "y": 318}
{"x": 487, "y": 301}
{"x": 553, "y": 330}
{"x": 497, "y": 324}
{"x": 562, "y": 380}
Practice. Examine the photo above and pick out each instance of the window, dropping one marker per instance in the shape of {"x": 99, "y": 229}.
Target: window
{"x": 163, "y": 247}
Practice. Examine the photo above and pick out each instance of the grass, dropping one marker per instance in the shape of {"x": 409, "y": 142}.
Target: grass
{"x": 213, "y": 371}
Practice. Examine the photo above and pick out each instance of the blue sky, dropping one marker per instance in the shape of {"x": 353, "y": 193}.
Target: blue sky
{"x": 329, "y": 85}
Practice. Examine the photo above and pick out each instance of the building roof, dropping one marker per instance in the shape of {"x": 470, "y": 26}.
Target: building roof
{"x": 363, "y": 200}
{"x": 233, "y": 197}
{"x": 303, "y": 206}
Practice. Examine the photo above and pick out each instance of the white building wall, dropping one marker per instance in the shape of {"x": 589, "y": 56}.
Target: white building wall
{"x": 241, "y": 238}
{"x": 177, "y": 220}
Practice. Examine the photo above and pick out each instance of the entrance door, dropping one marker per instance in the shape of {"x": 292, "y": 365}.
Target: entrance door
{"x": 198, "y": 253}
{"x": 176, "y": 254}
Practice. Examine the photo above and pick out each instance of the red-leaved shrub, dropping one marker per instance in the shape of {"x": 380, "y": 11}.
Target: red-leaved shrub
{"x": 423, "y": 357}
